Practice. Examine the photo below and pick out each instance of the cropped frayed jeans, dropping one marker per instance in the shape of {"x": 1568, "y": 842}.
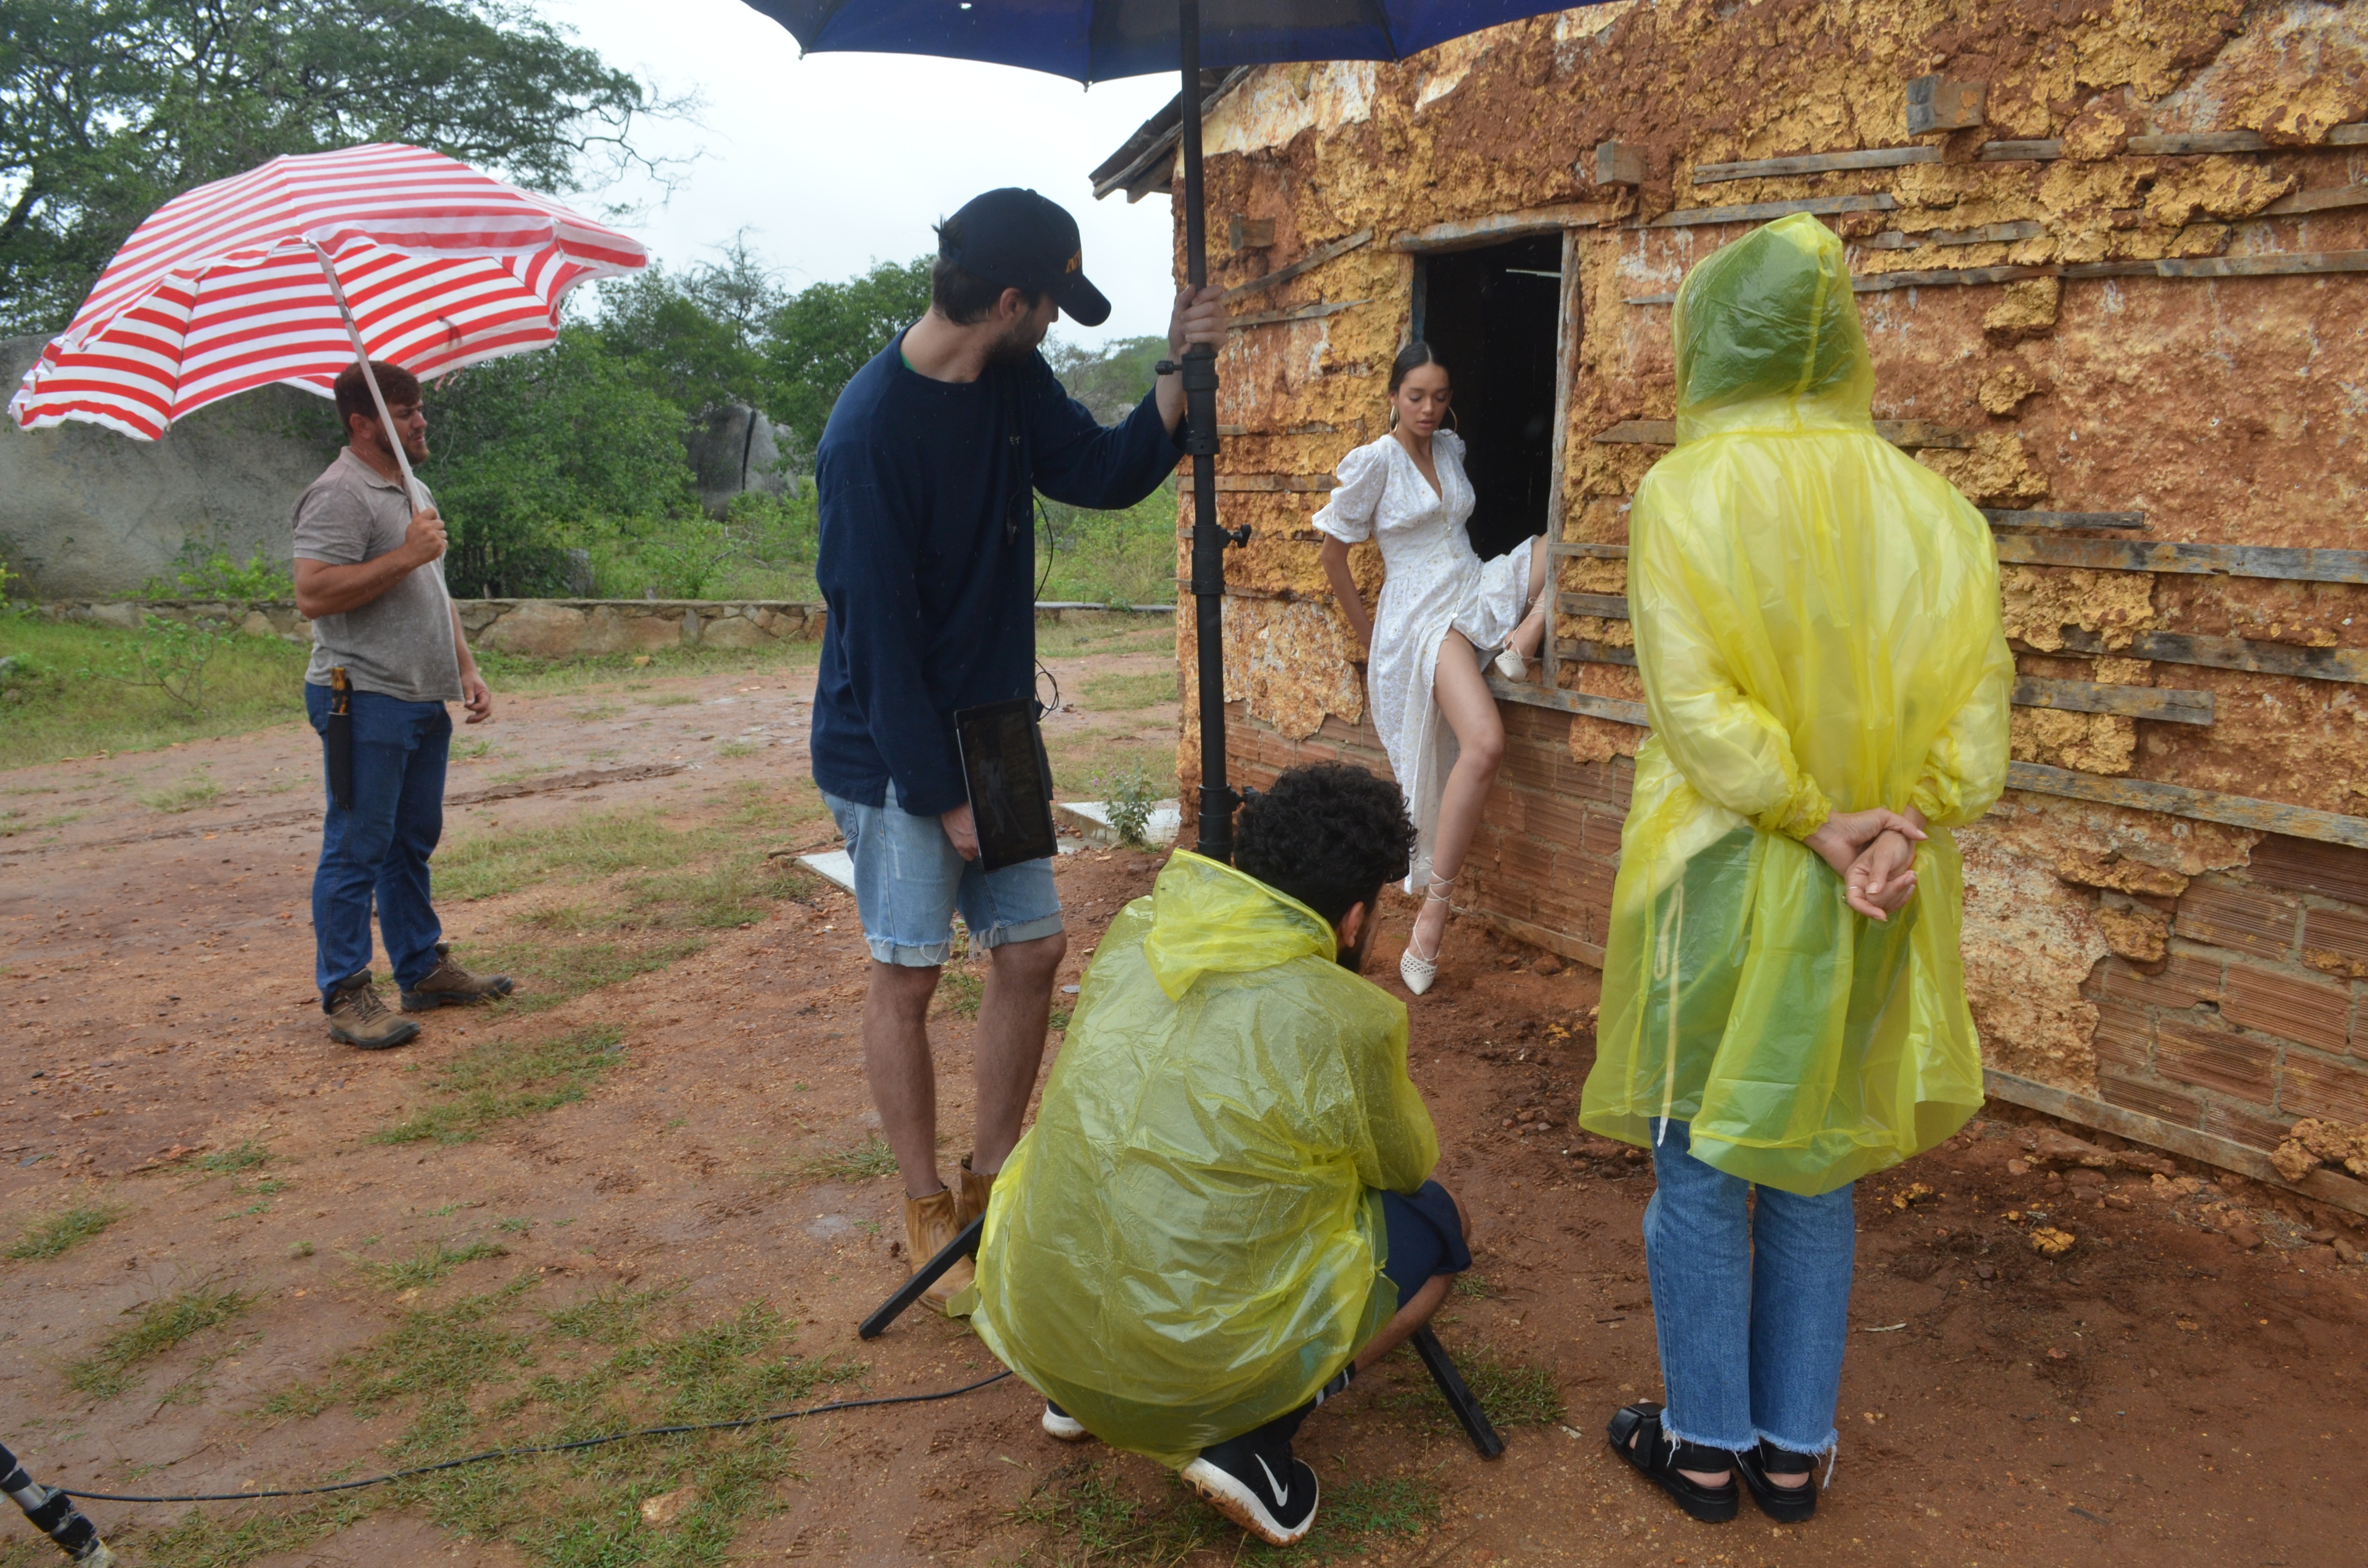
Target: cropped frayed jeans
{"x": 1751, "y": 1304}
{"x": 375, "y": 854}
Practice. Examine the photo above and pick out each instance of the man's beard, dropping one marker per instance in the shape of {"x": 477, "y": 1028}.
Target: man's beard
{"x": 1014, "y": 347}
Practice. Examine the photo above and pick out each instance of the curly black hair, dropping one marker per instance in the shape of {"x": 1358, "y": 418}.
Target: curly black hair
{"x": 1328, "y": 834}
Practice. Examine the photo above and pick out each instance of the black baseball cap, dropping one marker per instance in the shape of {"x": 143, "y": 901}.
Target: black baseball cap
{"x": 1020, "y": 240}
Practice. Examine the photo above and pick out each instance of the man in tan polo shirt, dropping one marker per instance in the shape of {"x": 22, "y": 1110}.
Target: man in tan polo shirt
{"x": 370, "y": 576}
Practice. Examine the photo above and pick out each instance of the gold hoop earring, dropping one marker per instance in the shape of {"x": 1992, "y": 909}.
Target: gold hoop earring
{"x": 1394, "y": 419}
{"x": 1454, "y": 422}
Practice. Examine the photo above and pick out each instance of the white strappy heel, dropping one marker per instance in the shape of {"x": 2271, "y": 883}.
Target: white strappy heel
{"x": 1418, "y": 972}
{"x": 1509, "y": 662}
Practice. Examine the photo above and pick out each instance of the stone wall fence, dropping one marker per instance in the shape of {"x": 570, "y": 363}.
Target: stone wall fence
{"x": 553, "y": 629}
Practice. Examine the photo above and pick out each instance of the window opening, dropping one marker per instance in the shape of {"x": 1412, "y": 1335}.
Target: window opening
{"x": 1492, "y": 317}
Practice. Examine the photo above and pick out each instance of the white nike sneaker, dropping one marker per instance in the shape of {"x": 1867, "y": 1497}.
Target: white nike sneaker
{"x": 1266, "y": 1492}
{"x": 1059, "y": 1423}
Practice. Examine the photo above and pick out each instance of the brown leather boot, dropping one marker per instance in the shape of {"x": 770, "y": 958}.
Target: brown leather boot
{"x": 929, "y": 1223}
{"x": 975, "y": 1191}
{"x": 359, "y": 1018}
{"x": 450, "y": 986}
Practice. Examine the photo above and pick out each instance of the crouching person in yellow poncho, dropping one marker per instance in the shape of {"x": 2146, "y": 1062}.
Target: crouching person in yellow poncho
{"x": 1817, "y": 628}
{"x": 1223, "y": 1208}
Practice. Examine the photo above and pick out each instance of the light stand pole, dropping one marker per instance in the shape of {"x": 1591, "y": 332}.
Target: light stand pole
{"x": 1217, "y": 797}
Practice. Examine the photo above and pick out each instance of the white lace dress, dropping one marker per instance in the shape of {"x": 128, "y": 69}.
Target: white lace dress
{"x": 1434, "y": 582}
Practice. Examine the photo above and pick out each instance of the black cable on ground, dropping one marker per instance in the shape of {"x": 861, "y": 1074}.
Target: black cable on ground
{"x": 546, "y": 1449}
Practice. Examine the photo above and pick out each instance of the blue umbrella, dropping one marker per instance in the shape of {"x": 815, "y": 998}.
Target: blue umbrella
{"x": 1100, "y": 41}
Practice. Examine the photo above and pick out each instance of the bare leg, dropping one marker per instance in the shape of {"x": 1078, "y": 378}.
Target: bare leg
{"x": 1009, "y": 1044}
{"x": 1530, "y": 635}
{"x": 1471, "y": 710}
{"x": 1410, "y": 1317}
{"x": 896, "y": 1061}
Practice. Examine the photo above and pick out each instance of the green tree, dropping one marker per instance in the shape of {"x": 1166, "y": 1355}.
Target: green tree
{"x": 540, "y": 449}
{"x": 109, "y": 107}
{"x": 1109, "y": 379}
{"x": 696, "y": 337}
{"x": 821, "y": 335}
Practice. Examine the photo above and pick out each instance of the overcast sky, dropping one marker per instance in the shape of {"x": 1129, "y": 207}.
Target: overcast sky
{"x": 834, "y": 161}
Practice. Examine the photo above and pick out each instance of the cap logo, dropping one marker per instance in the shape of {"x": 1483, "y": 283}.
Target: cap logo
{"x": 1076, "y": 262}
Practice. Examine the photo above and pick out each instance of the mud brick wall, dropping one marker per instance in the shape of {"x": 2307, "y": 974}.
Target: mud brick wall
{"x": 2252, "y": 1017}
{"x": 2134, "y": 287}
{"x": 1542, "y": 864}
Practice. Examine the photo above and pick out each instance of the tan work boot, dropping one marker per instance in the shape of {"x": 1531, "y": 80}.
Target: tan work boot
{"x": 975, "y": 1191}
{"x": 357, "y": 1018}
{"x": 929, "y": 1223}
{"x": 450, "y": 986}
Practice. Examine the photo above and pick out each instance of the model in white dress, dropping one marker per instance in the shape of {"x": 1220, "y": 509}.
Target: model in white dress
{"x": 1436, "y": 588}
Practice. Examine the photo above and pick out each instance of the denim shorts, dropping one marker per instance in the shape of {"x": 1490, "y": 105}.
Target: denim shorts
{"x": 909, "y": 882}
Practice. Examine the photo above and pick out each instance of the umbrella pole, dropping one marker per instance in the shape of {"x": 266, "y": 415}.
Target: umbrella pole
{"x": 1217, "y": 798}
{"x": 378, "y": 398}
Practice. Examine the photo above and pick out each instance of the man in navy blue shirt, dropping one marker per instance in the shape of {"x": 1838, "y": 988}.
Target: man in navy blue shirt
{"x": 926, "y": 473}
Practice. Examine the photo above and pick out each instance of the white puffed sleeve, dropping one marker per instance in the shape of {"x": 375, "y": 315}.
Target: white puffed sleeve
{"x": 1349, "y": 515}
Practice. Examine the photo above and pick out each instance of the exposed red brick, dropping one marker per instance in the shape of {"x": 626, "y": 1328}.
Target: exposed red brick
{"x": 1554, "y": 818}
{"x": 2305, "y": 865}
{"x": 2336, "y": 940}
{"x": 2245, "y": 1126}
{"x": 1532, "y": 764}
{"x": 2311, "y": 1011}
{"x": 2313, "y": 1086}
{"x": 1601, "y": 838}
{"x": 2215, "y": 1059}
{"x": 2186, "y": 980}
{"x": 2151, "y": 1099}
{"x": 2230, "y": 916}
{"x": 1609, "y": 783}
{"x": 2124, "y": 1039}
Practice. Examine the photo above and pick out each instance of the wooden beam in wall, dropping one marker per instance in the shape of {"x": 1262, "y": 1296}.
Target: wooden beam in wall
{"x": 1618, "y": 709}
{"x": 2319, "y": 200}
{"x": 1986, "y": 234}
{"x": 2218, "y": 560}
{"x": 2225, "y": 653}
{"x": 2036, "y": 149}
{"x": 1304, "y": 313}
{"x": 1510, "y": 225}
{"x": 2155, "y": 1132}
{"x": 2292, "y": 264}
{"x": 2008, "y": 518}
{"x": 1264, "y": 483}
{"x": 1761, "y": 212}
{"x": 1595, "y": 653}
{"x": 2201, "y": 805}
{"x": 2170, "y": 704}
{"x": 1313, "y": 259}
{"x": 1816, "y": 164}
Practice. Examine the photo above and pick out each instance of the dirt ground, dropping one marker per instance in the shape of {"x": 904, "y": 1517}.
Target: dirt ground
{"x": 2160, "y": 1390}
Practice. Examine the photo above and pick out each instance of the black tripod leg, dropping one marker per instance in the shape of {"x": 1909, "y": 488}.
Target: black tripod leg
{"x": 52, "y": 1513}
{"x": 953, "y": 1252}
{"x": 1459, "y": 1398}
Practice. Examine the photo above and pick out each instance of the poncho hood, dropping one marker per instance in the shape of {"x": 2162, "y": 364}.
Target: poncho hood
{"x": 1768, "y": 336}
{"x": 1207, "y": 917}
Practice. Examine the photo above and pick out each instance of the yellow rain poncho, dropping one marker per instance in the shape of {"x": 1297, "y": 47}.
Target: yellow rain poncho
{"x": 1186, "y": 1244}
{"x": 1818, "y": 627}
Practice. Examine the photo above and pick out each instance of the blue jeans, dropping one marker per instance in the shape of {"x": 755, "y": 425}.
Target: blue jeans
{"x": 909, "y": 881}
{"x": 1751, "y": 1302}
{"x": 378, "y": 849}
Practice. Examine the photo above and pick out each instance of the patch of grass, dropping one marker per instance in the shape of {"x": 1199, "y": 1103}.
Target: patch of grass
{"x": 244, "y": 1156}
{"x": 469, "y": 751}
{"x": 598, "y": 711}
{"x": 73, "y": 709}
{"x": 190, "y": 793}
{"x": 300, "y": 1249}
{"x": 431, "y": 1263}
{"x": 488, "y": 1371}
{"x": 158, "y": 1326}
{"x": 515, "y": 1225}
{"x": 501, "y": 1080}
{"x": 963, "y": 989}
{"x": 549, "y": 974}
{"x": 1060, "y": 1021}
{"x": 671, "y": 699}
{"x": 1131, "y": 693}
{"x": 574, "y": 848}
{"x": 1470, "y": 1284}
{"x": 56, "y": 1234}
{"x": 737, "y": 749}
{"x": 1514, "y": 1393}
{"x": 601, "y": 673}
{"x": 871, "y": 1158}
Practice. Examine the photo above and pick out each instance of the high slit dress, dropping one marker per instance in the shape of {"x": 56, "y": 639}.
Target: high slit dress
{"x": 1435, "y": 583}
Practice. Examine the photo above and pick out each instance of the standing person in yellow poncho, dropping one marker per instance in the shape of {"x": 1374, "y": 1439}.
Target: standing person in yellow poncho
{"x": 1223, "y": 1211}
{"x": 1818, "y": 627}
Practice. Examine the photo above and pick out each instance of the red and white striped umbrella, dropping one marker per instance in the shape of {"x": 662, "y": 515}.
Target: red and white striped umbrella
{"x": 225, "y": 287}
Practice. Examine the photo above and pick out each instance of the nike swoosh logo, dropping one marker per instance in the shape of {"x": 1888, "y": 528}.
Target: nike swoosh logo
{"x": 1282, "y": 1493}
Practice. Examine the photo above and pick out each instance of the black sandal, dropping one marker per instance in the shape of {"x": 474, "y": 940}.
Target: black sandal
{"x": 1660, "y": 1458}
{"x": 1785, "y": 1504}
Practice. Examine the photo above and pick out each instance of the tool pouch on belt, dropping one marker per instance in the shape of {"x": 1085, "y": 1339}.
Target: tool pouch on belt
{"x": 338, "y": 738}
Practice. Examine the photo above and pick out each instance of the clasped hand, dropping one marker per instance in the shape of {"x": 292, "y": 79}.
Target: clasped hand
{"x": 1874, "y": 852}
